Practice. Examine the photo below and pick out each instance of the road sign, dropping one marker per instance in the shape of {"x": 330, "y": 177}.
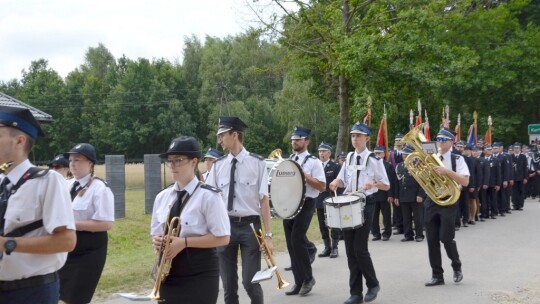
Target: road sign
{"x": 534, "y": 129}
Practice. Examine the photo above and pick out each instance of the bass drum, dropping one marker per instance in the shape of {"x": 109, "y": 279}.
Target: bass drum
{"x": 287, "y": 189}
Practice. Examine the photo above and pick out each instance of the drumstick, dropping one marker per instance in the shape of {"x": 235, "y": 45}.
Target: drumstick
{"x": 335, "y": 193}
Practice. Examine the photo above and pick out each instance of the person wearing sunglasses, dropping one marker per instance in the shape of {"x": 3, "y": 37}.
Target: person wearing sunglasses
{"x": 440, "y": 220}
{"x": 61, "y": 165}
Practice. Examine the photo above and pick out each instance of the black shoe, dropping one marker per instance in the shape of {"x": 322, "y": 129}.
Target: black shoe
{"x": 376, "y": 238}
{"x": 288, "y": 268}
{"x": 325, "y": 253}
{"x": 371, "y": 293}
{"x": 334, "y": 254}
{"x": 434, "y": 282}
{"x": 354, "y": 299}
{"x": 306, "y": 287}
{"x": 294, "y": 290}
{"x": 508, "y": 211}
{"x": 502, "y": 214}
{"x": 465, "y": 224}
{"x": 482, "y": 219}
{"x": 385, "y": 238}
{"x": 458, "y": 276}
{"x": 399, "y": 231}
{"x": 419, "y": 238}
{"x": 407, "y": 239}
{"x": 492, "y": 217}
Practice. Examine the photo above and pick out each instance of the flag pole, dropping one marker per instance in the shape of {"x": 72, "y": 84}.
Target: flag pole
{"x": 387, "y": 152}
{"x": 475, "y": 117}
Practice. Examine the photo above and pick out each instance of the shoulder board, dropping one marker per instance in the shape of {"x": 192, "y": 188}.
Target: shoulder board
{"x": 220, "y": 158}
{"x": 99, "y": 179}
{"x": 456, "y": 156}
{"x": 313, "y": 156}
{"x": 211, "y": 188}
{"x": 374, "y": 156}
{"x": 256, "y": 156}
{"x": 35, "y": 172}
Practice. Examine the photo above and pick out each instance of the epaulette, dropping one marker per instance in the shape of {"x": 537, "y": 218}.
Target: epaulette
{"x": 374, "y": 156}
{"x": 99, "y": 179}
{"x": 211, "y": 188}
{"x": 256, "y": 156}
{"x": 313, "y": 156}
{"x": 220, "y": 158}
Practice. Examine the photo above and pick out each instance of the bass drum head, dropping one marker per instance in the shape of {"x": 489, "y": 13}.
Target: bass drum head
{"x": 287, "y": 189}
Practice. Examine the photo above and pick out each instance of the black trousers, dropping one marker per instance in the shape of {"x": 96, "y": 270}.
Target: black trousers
{"x": 397, "y": 217}
{"x": 242, "y": 238}
{"x": 483, "y": 196}
{"x": 492, "y": 198}
{"x": 412, "y": 212}
{"x": 382, "y": 207}
{"x": 295, "y": 235}
{"x": 334, "y": 233}
{"x": 440, "y": 228}
{"x": 463, "y": 202}
{"x": 358, "y": 257}
{"x": 502, "y": 204}
{"x": 518, "y": 194}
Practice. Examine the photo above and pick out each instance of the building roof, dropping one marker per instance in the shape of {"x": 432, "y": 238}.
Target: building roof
{"x": 9, "y": 101}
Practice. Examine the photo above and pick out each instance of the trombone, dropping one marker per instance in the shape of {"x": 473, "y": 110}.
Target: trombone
{"x": 270, "y": 263}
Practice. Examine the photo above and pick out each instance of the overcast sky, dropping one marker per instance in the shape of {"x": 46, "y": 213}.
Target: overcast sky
{"x": 61, "y": 31}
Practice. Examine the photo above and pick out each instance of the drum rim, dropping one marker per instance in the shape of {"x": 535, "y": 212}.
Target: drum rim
{"x": 360, "y": 199}
{"x": 303, "y": 196}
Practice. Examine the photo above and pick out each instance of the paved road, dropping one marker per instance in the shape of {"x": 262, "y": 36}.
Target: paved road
{"x": 501, "y": 264}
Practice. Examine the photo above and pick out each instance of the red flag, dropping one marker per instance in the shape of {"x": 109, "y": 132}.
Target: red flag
{"x": 427, "y": 134}
{"x": 365, "y": 120}
{"x": 487, "y": 139}
{"x": 380, "y": 135}
{"x": 458, "y": 132}
{"x": 418, "y": 121}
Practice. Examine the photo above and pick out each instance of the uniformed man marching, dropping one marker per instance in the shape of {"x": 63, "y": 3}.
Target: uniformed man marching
{"x": 243, "y": 178}
{"x": 331, "y": 170}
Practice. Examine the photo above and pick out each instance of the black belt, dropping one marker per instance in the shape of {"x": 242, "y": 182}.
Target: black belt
{"x": 29, "y": 282}
{"x": 244, "y": 219}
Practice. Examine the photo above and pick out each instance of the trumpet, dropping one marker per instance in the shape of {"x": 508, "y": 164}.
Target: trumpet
{"x": 162, "y": 265}
{"x": 5, "y": 166}
{"x": 270, "y": 263}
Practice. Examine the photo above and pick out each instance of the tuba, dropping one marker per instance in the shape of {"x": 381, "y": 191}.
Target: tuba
{"x": 443, "y": 190}
{"x": 162, "y": 266}
{"x": 275, "y": 154}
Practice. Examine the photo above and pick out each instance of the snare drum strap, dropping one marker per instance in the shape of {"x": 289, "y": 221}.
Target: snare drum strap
{"x": 354, "y": 168}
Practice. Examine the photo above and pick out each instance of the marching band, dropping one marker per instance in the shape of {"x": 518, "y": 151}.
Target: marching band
{"x": 236, "y": 198}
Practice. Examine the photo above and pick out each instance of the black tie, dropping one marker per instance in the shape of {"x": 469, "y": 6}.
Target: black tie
{"x": 231, "y": 185}
{"x": 357, "y": 171}
{"x": 74, "y": 190}
{"x": 175, "y": 209}
{"x": 3, "y": 202}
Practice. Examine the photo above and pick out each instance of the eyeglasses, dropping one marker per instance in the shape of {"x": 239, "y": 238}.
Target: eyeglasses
{"x": 174, "y": 162}
{"x": 442, "y": 139}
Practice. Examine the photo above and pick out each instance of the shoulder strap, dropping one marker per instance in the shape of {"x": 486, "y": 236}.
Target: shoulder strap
{"x": 256, "y": 156}
{"x": 453, "y": 159}
{"x": 32, "y": 173}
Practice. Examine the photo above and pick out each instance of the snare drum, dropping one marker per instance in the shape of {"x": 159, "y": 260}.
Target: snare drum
{"x": 345, "y": 211}
{"x": 287, "y": 189}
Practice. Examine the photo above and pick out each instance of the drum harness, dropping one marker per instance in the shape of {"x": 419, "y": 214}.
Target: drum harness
{"x": 356, "y": 168}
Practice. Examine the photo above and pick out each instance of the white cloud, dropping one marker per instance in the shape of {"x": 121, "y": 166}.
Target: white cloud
{"x": 61, "y": 31}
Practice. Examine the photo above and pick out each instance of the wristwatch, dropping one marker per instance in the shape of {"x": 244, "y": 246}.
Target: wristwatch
{"x": 10, "y": 244}
{"x": 268, "y": 234}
